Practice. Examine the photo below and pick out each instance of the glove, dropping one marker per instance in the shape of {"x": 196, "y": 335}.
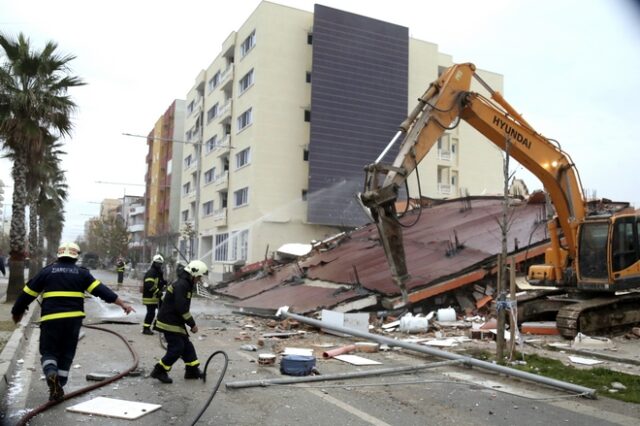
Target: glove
{"x": 17, "y": 317}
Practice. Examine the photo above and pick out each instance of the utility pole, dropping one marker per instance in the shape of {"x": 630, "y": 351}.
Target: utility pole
{"x": 502, "y": 303}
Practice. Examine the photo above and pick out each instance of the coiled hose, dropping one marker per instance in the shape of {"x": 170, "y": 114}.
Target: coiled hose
{"x": 23, "y": 421}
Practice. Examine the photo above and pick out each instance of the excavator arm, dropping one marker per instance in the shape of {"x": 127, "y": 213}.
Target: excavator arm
{"x": 446, "y": 101}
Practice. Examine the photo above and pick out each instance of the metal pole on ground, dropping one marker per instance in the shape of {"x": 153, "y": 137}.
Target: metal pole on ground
{"x": 570, "y": 387}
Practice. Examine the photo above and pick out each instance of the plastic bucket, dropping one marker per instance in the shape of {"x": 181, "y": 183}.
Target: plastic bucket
{"x": 446, "y": 314}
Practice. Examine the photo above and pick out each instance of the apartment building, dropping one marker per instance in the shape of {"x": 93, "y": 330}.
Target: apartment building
{"x": 162, "y": 180}
{"x": 282, "y": 122}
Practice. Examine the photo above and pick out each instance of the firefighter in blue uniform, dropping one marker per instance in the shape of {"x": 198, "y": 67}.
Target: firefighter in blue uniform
{"x": 173, "y": 318}
{"x": 153, "y": 286}
{"x": 62, "y": 286}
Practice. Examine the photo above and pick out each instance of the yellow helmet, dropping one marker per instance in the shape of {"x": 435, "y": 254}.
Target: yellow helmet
{"x": 70, "y": 250}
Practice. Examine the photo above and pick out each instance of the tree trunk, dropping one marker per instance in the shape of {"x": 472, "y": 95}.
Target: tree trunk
{"x": 34, "y": 265}
{"x": 18, "y": 232}
{"x": 41, "y": 230}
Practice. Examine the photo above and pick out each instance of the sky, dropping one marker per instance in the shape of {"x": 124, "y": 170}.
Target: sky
{"x": 570, "y": 68}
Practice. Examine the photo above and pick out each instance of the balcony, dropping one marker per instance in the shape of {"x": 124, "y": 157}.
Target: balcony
{"x": 224, "y": 144}
{"x": 444, "y": 155}
{"x": 226, "y": 75}
{"x": 220, "y": 217}
{"x": 225, "y": 110}
{"x": 443, "y": 188}
{"x": 136, "y": 228}
{"x": 221, "y": 179}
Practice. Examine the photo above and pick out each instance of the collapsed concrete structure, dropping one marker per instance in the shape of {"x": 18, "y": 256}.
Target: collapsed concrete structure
{"x": 451, "y": 249}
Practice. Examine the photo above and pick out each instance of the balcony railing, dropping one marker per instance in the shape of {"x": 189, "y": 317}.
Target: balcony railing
{"x": 443, "y": 188}
{"x": 224, "y": 110}
{"x": 136, "y": 228}
{"x": 228, "y": 72}
{"x": 220, "y": 217}
{"x": 444, "y": 155}
{"x": 221, "y": 179}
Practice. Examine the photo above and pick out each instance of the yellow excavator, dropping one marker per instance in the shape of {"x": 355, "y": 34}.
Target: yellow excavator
{"x": 594, "y": 253}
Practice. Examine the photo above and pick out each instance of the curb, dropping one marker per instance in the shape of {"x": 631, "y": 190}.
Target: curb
{"x": 12, "y": 352}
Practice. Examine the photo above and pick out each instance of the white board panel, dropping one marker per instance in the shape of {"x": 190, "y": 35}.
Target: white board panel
{"x": 117, "y": 408}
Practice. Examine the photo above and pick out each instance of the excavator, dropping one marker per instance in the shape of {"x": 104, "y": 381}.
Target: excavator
{"x": 593, "y": 253}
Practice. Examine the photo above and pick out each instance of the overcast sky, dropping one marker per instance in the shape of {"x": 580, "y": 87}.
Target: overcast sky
{"x": 570, "y": 67}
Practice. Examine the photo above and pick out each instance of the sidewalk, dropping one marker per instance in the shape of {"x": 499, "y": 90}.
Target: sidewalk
{"x": 12, "y": 339}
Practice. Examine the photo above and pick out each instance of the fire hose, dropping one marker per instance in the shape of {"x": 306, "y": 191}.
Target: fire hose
{"x": 23, "y": 421}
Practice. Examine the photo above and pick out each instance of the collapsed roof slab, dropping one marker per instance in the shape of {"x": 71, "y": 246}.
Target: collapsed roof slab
{"x": 305, "y": 298}
{"x": 360, "y": 259}
{"x": 448, "y": 244}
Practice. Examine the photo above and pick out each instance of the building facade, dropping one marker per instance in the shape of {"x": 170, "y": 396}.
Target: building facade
{"x": 282, "y": 122}
{"x": 162, "y": 182}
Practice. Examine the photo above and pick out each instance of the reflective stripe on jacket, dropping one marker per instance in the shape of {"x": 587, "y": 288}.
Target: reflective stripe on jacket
{"x": 62, "y": 286}
{"x": 174, "y": 315}
{"x": 153, "y": 285}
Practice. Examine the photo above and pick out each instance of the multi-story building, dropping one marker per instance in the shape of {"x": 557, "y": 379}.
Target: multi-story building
{"x": 133, "y": 214}
{"x": 286, "y": 116}
{"x": 164, "y": 172}
{"x": 110, "y": 208}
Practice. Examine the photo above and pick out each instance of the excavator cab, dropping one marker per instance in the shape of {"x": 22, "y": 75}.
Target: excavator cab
{"x": 612, "y": 241}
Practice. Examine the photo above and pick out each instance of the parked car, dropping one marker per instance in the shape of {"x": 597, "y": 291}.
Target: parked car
{"x": 90, "y": 260}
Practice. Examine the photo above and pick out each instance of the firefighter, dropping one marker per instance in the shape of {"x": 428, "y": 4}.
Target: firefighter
{"x": 62, "y": 285}
{"x": 153, "y": 286}
{"x": 173, "y": 318}
{"x": 120, "y": 270}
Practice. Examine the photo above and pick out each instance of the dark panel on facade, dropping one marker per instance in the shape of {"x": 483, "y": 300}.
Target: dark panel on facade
{"x": 358, "y": 99}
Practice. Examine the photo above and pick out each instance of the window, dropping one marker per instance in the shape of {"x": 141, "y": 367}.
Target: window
{"x": 209, "y": 175}
{"x": 239, "y": 245}
{"x": 307, "y": 115}
{"x": 214, "y": 81}
{"x": 187, "y": 161}
{"x": 190, "y": 107}
{"x": 245, "y": 119}
{"x": 243, "y": 158}
{"x": 625, "y": 244}
{"x": 304, "y": 195}
{"x": 241, "y": 197}
{"x": 309, "y": 38}
{"x": 211, "y": 114}
{"x": 186, "y": 188}
{"x": 305, "y": 155}
{"x": 248, "y": 44}
{"x": 211, "y": 143}
{"x": 185, "y": 215}
{"x": 223, "y": 200}
{"x": 308, "y": 77}
{"x": 207, "y": 208}
{"x": 221, "y": 248}
{"x": 246, "y": 81}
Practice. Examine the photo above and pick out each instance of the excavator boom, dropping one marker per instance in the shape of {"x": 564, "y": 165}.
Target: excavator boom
{"x": 447, "y": 101}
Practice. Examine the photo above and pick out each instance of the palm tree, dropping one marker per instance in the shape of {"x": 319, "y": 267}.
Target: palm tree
{"x": 44, "y": 179}
{"x": 51, "y": 212}
{"x": 34, "y": 105}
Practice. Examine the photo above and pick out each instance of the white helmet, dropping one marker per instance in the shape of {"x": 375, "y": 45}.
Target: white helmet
{"x": 196, "y": 268}
{"x": 70, "y": 250}
{"x": 158, "y": 259}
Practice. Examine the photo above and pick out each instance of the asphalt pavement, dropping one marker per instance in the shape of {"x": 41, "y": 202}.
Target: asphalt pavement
{"x": 445, "y": 395}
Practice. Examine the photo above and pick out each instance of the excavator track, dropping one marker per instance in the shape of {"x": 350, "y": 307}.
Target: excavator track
{"x": 599, "y": 315}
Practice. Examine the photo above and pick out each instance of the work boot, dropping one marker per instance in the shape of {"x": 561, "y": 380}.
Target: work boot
{"x": 161, "y": 374}
{"x": 56, "y": 393}
{"x": 192, "y": 372}
{"x": 147, "y": 331}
